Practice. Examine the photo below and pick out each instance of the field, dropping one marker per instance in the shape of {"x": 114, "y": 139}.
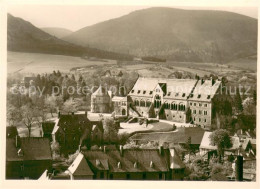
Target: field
{"x": 34, "y": 63}
{"x": 45, "y": 63}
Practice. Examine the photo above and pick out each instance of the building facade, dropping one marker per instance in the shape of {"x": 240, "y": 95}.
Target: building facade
{"x": 27, "y": 158}
{"x": 178, "y": 100}
{"x": 100, "y": 101}
{"x": 128, "y": 164}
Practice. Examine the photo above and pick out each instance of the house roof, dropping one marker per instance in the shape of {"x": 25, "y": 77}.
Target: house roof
{"x": 36, "y": 148}
{"x": 205, "y": 91}
{"x": 11, "y": 131}
{"x": 175, "y": 87}
{"x": 142, "y": 157}
{"x": 205, "y": 143}
{"x": 175, "y": 161}
{"x": 73, "y": 123}
{"x": 47, "y": 127}
{"x": 28, "y": 79}
{"x": 119, "y": 98}
{"x": 80, "y": 166}
{"x": 180, "y": 136}
{"x": 100, "y": 92}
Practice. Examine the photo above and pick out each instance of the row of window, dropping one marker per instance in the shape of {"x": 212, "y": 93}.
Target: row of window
{"x": 200, "y": 120}
{"x": 200, "y": 112}
{"x": 120, "y": 103}
{"x": 144, "y": 92}
{"x": 142, "y": 103}
{"x": 200, "y": 104}
{"x": 172, "y": 106}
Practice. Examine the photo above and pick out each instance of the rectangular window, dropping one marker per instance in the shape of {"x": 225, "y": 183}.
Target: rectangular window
{"x": 200, "y": 104}
{"x": 111, "y": 176}
{"x": 200, "y": 112}
{"x": 101, "y": 175}
{"x": 160, "y": 176}
{"x": 190, "y": 104}
{"x": 194, "y": 119}
{"x": 194, "y": 104}
{"x": 194, "y": 111}
{"x": 206, "y": 105}
{"x": 205, "y": 120}
{"x": 199, "y": 119}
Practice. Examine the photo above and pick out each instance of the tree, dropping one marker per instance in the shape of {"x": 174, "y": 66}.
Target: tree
{"x": 189, "y": 147}
{"x": 50, "y": 103}
{"x": 70, "y": 106}
{"x": 238, "y": 102}
{"x": 13, "y": 115}
{"x": 28, "y": 117}
{"x": 222, "y": 140}
{"x": 110, "y": 130}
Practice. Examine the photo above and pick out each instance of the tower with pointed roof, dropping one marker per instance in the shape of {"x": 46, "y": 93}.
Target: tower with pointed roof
{"x": 100, "y": 101}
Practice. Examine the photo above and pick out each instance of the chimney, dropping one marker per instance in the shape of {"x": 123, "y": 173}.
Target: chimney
{"x": 239, "y": 168}
{"x": 202, "y": 81}
{"x": 105, "y": 149}
{"x": 161, "y": 150}
{"x": 212, "y": 81}
{"x": 17, "y": 141}
{"x": 121, "y": 150}
{"x": 79, "y": 148}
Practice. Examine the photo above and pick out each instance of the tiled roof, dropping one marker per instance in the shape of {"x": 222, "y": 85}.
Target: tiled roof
{"x": 100, "y": 92}
{"x": 73, "y": 123}
{"x": 80, "y": 166}
{"x": 205, "y": 91}
{"x": 175, "y": 161}
{"x": 180, "y": 136}
{"x": 146, "y": 86}
{"x": 47, "y": 127}
{"x": 205, "y": 143}
{"x": 143, "y": 158}
{"x": 11, "y": 131}
{"x": 32, "y": 149}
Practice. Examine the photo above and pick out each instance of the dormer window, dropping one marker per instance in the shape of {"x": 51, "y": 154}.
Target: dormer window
{"x": 151, "y": 92}
{"x": 177, "y": 94}
{"x": 119, "y": 165}
{"x": 20, "y": 152}
{"x": 183, "y": 95}
{"x": 199, "y": 96}
{"x": 98, "y": 162}
{"x": 208, "y": 97}
{"x": 133, "y": 91}
{"x": 151, "y": 164}
{"x": 191, "y": 95}
{"x": 135, "y": 165}
{"x": 169, "y": 93}
{"x": 138, "y": 91}
{"x": 144, "y": 92}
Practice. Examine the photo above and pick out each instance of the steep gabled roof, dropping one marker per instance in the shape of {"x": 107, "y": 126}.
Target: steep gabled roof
{"x": 36, "y": 148}
{"x": 175, "y": 160}
{"x": 101, "y": 91}
{"x": 205, "y": 91}
{"x": 47, "y": 127}
{"x": 205, "y": 143}
{"x": 80, "y": 166}
{"x": 142, "y": 157}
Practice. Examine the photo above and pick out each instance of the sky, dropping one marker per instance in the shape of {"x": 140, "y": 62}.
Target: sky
{"x": 75, "y": 17}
